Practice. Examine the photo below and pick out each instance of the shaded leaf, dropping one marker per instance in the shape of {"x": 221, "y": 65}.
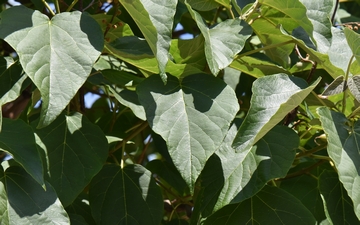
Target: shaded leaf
{"x": 339, "y": 208}
{"x": 75, "y": 151}
{"x": 270, "y": 206}
{"x": 65, "y": 52}
{"x": 336, "y": 87}
{"x": 223, "y": 41}
{"x": 17, "y": 138}
{"x": 344, "y": 150}
{"x": 118, "y": 195}
{"x": 81, "y": 208}
{"x": 354, "y": 86}
{"x": 203, "y": 5}
{"x": 156, "y": 27}
{"x": 115, "y": 29}
{"x": 273, "y": 98}
{"x": 192, "y": 115}
{"x": 28, "y": 202}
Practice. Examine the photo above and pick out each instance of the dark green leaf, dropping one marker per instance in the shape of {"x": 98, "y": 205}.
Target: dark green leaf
{"x": 61, "y": 59}
{"x": 75, "y": 151}
{"x": 125, "y": 196}
{"x": 192, "y": 115}
{"x": 203, "y": 5}
{"x": 336, "y": 87}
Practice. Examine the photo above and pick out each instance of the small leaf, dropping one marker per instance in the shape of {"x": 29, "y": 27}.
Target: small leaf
{"x": 118, "y": 195}
{"x": 343, "y": 149}
{"x": 353, "y": 40}
{"x": 17, "y": 138}
{"x": 203, "y": 5}
{"x": 156, "y": 27}
{"x": 273, "y": 98}
{"x": 336, "y": 87}
{"x": 223, "y": 41}
{"x": 354, "y": 86}
{"x": 339, "y": 208}
{"x": 27, "y": 202}
{"x": 115, "y": 29}
{"x": 75, "y": 150}
{"x": 192, "y": 115}
{"x": 60, "y": 59}
{"x": 270, "y": 206}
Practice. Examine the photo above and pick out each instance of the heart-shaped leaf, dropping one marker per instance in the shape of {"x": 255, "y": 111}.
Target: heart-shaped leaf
{"x": 60, "y": 59}
{"x": 76, "y": 154}
{"x": 192, "y": 115}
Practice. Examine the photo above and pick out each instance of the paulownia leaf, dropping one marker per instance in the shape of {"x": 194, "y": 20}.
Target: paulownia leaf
{"x": 75, "y": 151}
{"x": 354, "y": 86}
{"x": 27, "y": 202}
{"x": 192, "y": 115}
{"x": 336, "y": 87}
{"x": 270, "y": 206}
{"x": 273, "y": 98}
{"x": 125, "y": 196}
{"x": 17, "y": 138}
{"x": 81, "y": 207}
{"x": 223, "y": 41}
{"x": 353, "y": 40}
{"x": 155, "y": 20}
{"x": 338, "y": 206}
{"x": 203, "y": 5}
{"x": 57, "y": 54}
{"x": 343, "y": 149}
{"x": 231, "y": 177}
{"x": 115, "y": 29}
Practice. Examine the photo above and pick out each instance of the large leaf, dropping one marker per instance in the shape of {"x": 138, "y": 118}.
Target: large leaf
{"x": 353, "y": 40}
{"x": 343, "y": 149}
{"x": 24, "y": 151}
{"x": 338, "y": 206}
{"x": 223, "y": 41}
{"x": 192, "y": 115}
{"x": 270, "y": 206}
{"x": 60, "y": 59}
{"x": 339, "y": 51}
{"x": 125, "y": 196}
{"x": 156, "y": 27}
{"x": 273, "y": 98}
{"x": 75, "y": 150}
{"x": 231, "y": 177}
{"x": 27, "y": 202}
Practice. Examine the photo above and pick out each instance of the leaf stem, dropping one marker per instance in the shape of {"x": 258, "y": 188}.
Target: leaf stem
{"x": 345, "y": 84}
{"x": 310, "y": 152}
{"x": 57, "y": 6}
{"x": 265, "y": 48}
{"x": 71, "y": 6}
{"x": 48, "y": 7}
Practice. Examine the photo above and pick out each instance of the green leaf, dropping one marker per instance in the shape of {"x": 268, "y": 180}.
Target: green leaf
{"x": 65, "y": 52}
{"x": 203, "y": 5}
{"x": 117, "y": 196}
{"x": 270, "y": 206}
{"x": 344, "y": 150}
{"x": 28, "y": 202}
{"x": 273, "y": 98}
{"x": 256, "y": 67}
{"x": 75, "y": 150}
{"x": 192, "y": 115}
{"x": 114, "y": 26}
{"x": 156, "y": 27}
{"x": 354, "y": 86}
{"x": 223, "y": 41}
{"x": 335, "y": 87}
{"x": 339, "y": 208}
{"x": 231, "y": 177}
{"x": 294, "y": 10}
{"x": 353, "y": 40}
{"x": 12, "y": 82}
{"x": 17, "y": 138}
{"x": 81, "y": 207}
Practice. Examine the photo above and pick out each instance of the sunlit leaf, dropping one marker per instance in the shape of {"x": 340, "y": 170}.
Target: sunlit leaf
{"x": 353, "y": 40}
{"x": 118, "y": 195}
{"x": 60, "y": 59}
{"x": 76, "y": 154}
{"x": 192, "y": 115}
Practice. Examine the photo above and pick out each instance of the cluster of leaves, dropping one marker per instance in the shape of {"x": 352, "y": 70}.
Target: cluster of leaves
{"x": 252, "y": 120}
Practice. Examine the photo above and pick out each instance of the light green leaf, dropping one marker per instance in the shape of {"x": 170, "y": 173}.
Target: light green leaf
{"x": 273, "y": 98}
{"x": 223, "y": 41}
{"x": 75, "y": 150}
{"x": 231, "y": 177}
{"x": 294, "y": 10}
{"x": 192, "y": 115}
{"x": 135, "y": 191}
{"x": 60, "y": 59}
{"x": 271, "y": 206}
{"x": 256, "y": 67}
{"x": 336, "y": 87}
{"x": 155, "y": 20}
{"x": 339, "y": 51}
{"x": 353, "y": 40}
{"x": 17, "y": 138}
{"x": 338, "y": 206}
{"x": 27, "y": 202}
{"x": 343, "y": 149}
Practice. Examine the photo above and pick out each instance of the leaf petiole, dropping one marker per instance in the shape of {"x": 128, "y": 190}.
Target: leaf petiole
{"x": 48, "y": 7}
